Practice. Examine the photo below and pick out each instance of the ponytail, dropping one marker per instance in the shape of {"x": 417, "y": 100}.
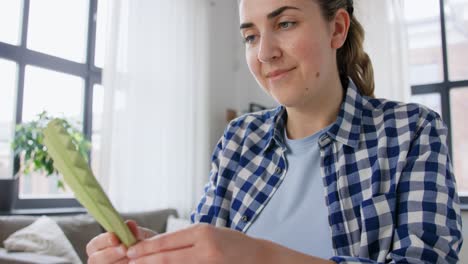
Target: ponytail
{"x": 354, "y": 62}
{"x": 351, "y": 58}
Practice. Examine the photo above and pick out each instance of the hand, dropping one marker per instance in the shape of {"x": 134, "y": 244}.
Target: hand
{"x": 197, "y": 244}
{"x": 106, "y": 247}
{"x": 204, "y": 243}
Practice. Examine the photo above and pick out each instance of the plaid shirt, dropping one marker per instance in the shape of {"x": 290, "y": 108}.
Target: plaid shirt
{"x": 387, "y": 176}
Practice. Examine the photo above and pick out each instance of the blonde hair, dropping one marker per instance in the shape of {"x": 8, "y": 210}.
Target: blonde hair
{"x": 351, "y": 58}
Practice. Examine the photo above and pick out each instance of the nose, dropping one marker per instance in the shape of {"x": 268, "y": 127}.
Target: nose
{"x": 268, "y": 49}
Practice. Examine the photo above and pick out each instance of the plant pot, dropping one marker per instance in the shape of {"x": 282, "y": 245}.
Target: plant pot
{"x": 8, "y": 190}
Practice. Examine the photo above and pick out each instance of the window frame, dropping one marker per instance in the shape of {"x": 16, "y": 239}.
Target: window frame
{"x": 88, "y": 71}
{"x": 443, "y": 88}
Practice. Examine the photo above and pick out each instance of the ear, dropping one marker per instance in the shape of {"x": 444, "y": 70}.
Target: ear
{"x": 340, "y": 26}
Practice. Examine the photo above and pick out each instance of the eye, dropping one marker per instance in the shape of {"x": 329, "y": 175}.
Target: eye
{"x": 286, "y": 24}
{"x": 249, "y": 39}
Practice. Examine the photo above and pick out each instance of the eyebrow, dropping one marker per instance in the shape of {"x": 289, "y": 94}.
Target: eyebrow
{"x": 270, "y": 16}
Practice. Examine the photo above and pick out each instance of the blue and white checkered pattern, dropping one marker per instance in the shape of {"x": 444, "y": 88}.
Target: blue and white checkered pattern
{"x": 390, "y": 188}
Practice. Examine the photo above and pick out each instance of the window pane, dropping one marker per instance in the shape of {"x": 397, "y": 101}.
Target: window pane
{"x": 98, "y": 102}
{"x": 10, "y": 14}
{"x": 9, "y": 73}
{"x": 101, "y": 25}
{"x": 424, "y": 39}
{"x": 36, "y": 185}
{"x": 431, "y": 101}
{"x": 457, "y": 37}
{"x": 59, "y": 28}
{"x": 61, "y": 95}
{"x": 459, "y": 108}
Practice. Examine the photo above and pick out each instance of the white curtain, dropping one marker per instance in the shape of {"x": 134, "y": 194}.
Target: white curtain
{"x": 155, "y": 121}
{"x": 386, "y": 44}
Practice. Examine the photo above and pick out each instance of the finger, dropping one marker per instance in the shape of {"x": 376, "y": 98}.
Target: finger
{"x": 185, "y": 255}
{"x": 109, "y": 255}
{"x": 177, "y": 240}
{"x": 133, "y": 226}
{"x": 123, "y": 261}
{"x": 146, "y": 233}
{"x": 102, "y": 241}
{"x": 139, "y": 232}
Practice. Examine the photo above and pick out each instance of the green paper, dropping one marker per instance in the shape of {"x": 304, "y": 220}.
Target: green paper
{"x": 79, "y": 177}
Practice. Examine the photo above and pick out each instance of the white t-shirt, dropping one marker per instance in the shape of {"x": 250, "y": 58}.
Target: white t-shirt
{"x": 297, "y": 216}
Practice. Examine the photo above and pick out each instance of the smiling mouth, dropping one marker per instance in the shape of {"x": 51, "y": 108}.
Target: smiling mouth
{"x": 279, "y": 74}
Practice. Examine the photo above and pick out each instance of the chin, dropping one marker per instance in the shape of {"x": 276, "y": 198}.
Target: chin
{"x": 289, "y": 101}
{"x": 287, "y": 97}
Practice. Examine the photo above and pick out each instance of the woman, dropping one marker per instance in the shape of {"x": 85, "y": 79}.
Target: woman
{"x": 332, "y": 175}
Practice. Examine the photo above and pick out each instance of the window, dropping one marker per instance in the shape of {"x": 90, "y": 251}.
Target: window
{"x": 438, "y": 49}
{"x": 50, "y": 59}
{"x": 9, "y": 70}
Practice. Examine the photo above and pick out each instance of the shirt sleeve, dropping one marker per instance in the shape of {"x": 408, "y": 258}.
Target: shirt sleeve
{"x": 214, "y": 206}
{"x": 207, "y": 211}
{"x": 428, "y": 221}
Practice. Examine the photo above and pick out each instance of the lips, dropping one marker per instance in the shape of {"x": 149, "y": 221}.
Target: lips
{"x": 278, "y": 74}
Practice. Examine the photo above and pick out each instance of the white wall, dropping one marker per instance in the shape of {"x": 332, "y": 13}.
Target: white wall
{"x": 221, "y": 80}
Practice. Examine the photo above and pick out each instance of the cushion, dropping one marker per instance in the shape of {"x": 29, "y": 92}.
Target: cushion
{"x": 28, "y": 258}
{"x": 79, "y": 229}
{"x": 43, "y": 236}
{"x": 174, "y": 223}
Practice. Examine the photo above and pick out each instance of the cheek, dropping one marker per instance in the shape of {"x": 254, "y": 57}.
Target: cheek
{"x": 310, "y": 54}
{"x": 306, "y": 47}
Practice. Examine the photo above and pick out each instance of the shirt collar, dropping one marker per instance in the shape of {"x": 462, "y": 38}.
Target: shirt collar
{"x": 277, "y": 124}
{"x": 346, "y": 129}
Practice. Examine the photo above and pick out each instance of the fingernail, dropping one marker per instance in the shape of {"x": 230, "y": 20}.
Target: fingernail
{"x": 131, "y": 253}
{"x": 121, "y": 251}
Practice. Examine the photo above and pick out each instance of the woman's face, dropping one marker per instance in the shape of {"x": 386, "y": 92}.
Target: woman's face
{"x": 289, "y": 48}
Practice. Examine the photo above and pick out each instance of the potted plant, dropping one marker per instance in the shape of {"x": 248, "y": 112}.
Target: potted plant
{"x": 28, "y": 147}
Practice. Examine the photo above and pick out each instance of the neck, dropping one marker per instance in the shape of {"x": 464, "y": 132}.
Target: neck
{"x": 318, "y": 113}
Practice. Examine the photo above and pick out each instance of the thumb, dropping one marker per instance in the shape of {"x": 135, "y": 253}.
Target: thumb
{"x": 140, "y": 233}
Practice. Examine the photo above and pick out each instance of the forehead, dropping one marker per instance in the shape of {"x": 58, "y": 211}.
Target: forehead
{"x": 258, "y": 9}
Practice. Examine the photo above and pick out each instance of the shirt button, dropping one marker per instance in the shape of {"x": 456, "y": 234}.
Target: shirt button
{"x": 278, "y": 170}
{"x": 245, "y": 218}
{"x": 323, "y": 137}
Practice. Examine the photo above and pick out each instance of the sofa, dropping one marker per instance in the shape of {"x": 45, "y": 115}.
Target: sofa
{"x": 79, "y": 230}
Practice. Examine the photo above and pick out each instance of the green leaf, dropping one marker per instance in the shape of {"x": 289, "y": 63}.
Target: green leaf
{"x": 79, "y": 177}
{"x": 28, "y": 143}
